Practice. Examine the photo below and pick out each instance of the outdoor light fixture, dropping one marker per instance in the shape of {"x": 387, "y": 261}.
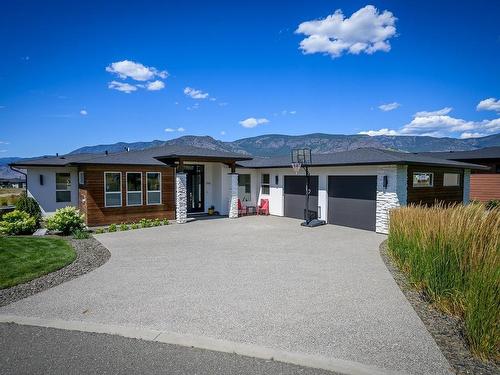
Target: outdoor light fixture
{"x": 386, "y": 182}
{"x": 41, "y": 179}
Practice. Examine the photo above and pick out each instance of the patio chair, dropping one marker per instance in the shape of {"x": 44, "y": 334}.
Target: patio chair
{"x": 263, "y": 208}
{"x": 242, "y": 209}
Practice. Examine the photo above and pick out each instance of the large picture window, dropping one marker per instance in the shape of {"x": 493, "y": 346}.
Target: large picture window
{"x": 134, "y": 188}
{"x": 154, "y": 187}
{"x": 244, "y": 187}
{"x": 63, "y": 187}
{"x": 451, "y": 179}
{"x": 423, "y": 179}
{"x": 264, "y": 183}
{"x": 112, "y": 189}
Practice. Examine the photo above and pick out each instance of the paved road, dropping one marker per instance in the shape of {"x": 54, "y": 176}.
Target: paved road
{"x": 260, "y": 281}
{"x": 36, "y": 350}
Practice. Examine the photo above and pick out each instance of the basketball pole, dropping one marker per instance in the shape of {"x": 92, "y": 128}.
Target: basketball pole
{"x": 307, "y": 194}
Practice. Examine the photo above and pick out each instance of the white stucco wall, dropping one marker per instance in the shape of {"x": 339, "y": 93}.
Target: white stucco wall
{"x": 45, "y": 194}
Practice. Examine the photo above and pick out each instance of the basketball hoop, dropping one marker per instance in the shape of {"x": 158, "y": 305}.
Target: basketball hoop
{"x": 296, "y": 167}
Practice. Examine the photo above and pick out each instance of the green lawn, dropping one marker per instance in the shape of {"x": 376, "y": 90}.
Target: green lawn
{"x": 25, "y": 258}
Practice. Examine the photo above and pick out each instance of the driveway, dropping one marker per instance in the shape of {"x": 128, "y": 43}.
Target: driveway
{"x": 267, "y": 282}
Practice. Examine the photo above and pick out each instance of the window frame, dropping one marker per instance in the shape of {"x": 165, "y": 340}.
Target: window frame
{"x": 64, "y": 190}
{"x": 458, "y": 179}
{"x": 418, "y": 187}
{"x": 153, "y": 191}
{"x": 135, "y": 191}
{"x": 113, "y": 192}
{"x": 265, "y": 184}
{"x": 81, "y": 178}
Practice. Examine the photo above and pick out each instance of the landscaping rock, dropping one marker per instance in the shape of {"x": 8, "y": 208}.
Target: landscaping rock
{"x": 90, "y": 255}
{"x": 40, "y": 232}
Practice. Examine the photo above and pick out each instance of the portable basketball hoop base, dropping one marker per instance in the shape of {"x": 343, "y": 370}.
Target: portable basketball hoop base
{"x": 301, "y": 158}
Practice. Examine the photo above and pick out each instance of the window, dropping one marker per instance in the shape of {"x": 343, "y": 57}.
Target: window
{"x": 451, "y": 179}
{"x": 264, "y": 183}
{"x": 154, "y": 187}
{"x": 81, "y": 178}
{"x": 134, "y": 188}
{"x": 423, "y": 179}
{"x": 112, "y": 189}
{"x": 63, "y": 187}
{"x": 244, "y": 187}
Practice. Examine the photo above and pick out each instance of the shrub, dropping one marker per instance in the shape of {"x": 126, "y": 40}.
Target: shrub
{"x": 80, "y": 234}
{"x": 453, "y": 255}
{"x": 145, "y": 223}
{"x": 492, "y": 204}
{"x": 99, "y": 231}
{"x": 166, "y": 222}
{"x": 30, "y": 206}
{"x": 134, "y": 226}
{"x": 112, "y": 228}
{"x": 156, "y": 222}
{"x": 17, "y": 222}
{"x": 66, "y": 220}
{"x": 124, "y": 227}
{"x": 4, "y": 201}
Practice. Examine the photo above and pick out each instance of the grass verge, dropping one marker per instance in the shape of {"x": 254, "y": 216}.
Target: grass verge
{"x": 453, "y": 255}
{"x": 25, "y": 258}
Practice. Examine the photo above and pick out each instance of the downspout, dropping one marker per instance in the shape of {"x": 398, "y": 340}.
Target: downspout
{"x": 25, "y": 175}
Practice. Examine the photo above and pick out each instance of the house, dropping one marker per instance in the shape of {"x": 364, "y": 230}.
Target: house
{"x": 353, "y": 188}
{"x": 484, "y": 184}
{"x": 12, "y": 183}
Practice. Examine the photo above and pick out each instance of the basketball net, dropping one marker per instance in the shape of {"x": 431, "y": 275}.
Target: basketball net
{"x": 296, "y": 167}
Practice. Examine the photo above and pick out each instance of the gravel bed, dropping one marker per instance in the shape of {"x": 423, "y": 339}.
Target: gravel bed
{"x": 447, "y": 331}
{"x": 90, "y": 255}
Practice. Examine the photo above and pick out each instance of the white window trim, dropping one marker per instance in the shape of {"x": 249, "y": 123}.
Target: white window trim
{"x": 265, "y": 184}
{"x": 70, "y": 186}
{"x": 126, "y": 190}
{"x": 418, "y": 187}
{"x": 458, "y": 179}
{"x": 152, "y": 191}
{"x": 81, "y": 178}
{"x": 114, "y": 192}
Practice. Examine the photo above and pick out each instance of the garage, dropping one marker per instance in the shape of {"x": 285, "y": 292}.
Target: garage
{"x": 295, "y": 196}
{"x": 352, "y": 201}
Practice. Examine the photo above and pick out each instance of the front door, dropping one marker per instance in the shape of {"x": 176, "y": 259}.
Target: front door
{"x": 195, "y": 181}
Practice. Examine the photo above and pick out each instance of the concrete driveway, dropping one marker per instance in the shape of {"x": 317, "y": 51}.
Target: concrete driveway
{"x": 321, "y": 294}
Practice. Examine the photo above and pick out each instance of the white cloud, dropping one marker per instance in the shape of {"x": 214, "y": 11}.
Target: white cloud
{"x": 83, "y": 112}
{"x": 285, "y": 112}
{"x": 490, "y": 104}
{"x": 383, "y": 131}
{"x": 439, "y": 112}
{"x": 122, "y": 86}
{"x": 252, "y": 122}
{"x": 440, "y": 124}
{"x": 155, "y": 85}
{"x": 4, "y": 143}
{"x": 195, "y": 94}
{"x": 389, "y": 106}
{"x": 130, "y": 69}
{"x": 194, "y": 107}
{"x": 366, "y": 31}
{"x": 171, "y": 130}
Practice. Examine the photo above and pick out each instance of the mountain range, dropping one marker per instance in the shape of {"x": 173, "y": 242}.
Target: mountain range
{"x": 279, "y": 144}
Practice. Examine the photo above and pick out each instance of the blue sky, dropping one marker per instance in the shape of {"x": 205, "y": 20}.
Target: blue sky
{"x": 239, "y": 69}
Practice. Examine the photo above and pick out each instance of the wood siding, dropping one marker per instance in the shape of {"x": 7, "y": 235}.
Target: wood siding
{"x": 438, "y": 192}
{"x": 91, "y": 195}
{"x": 484, "y": 187}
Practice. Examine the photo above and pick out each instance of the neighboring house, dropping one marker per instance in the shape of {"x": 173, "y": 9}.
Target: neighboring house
{"x": 13, "y": 183}
{"x": 484, "y": 184}
{"x": 353, "y": 188}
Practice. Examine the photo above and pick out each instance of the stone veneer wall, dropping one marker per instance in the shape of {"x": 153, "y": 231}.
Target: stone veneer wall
{"x": 394, "y": 195}
{"x": 180, "y": 198}
{"x": 233, "y": 195}
{"x": 466, "y": 185}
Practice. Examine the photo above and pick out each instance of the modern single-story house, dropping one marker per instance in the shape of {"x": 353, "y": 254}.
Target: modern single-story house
{"x": 353, "y": 188}
{"x": 484, "y": 184}
{"x": 12, "y": 183}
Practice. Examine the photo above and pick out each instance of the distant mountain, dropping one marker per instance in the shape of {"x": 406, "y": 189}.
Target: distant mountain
{"x": 5, "y": 171}
{"x": 278, "y": 144}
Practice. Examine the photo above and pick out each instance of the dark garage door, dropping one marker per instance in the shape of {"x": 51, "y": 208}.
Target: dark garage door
{"x": 352, "y": 201}
{"x": 295, "y": 196}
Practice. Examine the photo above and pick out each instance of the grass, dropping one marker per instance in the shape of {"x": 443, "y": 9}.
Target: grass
{"x": 452, "y": 254}
{"x": 25, "y": 258}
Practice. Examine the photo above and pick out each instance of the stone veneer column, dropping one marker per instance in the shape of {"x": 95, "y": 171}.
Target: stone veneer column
{"x": 180, "y": 198}
{"x": 466, "y": 186}
{"x": 233, "y": 195}
{"x": 394, "y": 195}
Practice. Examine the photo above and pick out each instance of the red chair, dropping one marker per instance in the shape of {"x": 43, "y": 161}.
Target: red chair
{"x": 263, "y": 208}
{"x": 242, "y": 209}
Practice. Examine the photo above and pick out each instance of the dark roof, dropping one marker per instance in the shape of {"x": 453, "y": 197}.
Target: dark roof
{"x": 361, "y": 156}
{"x": 148, "y": 156}
{"x": 480, "y": 154}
